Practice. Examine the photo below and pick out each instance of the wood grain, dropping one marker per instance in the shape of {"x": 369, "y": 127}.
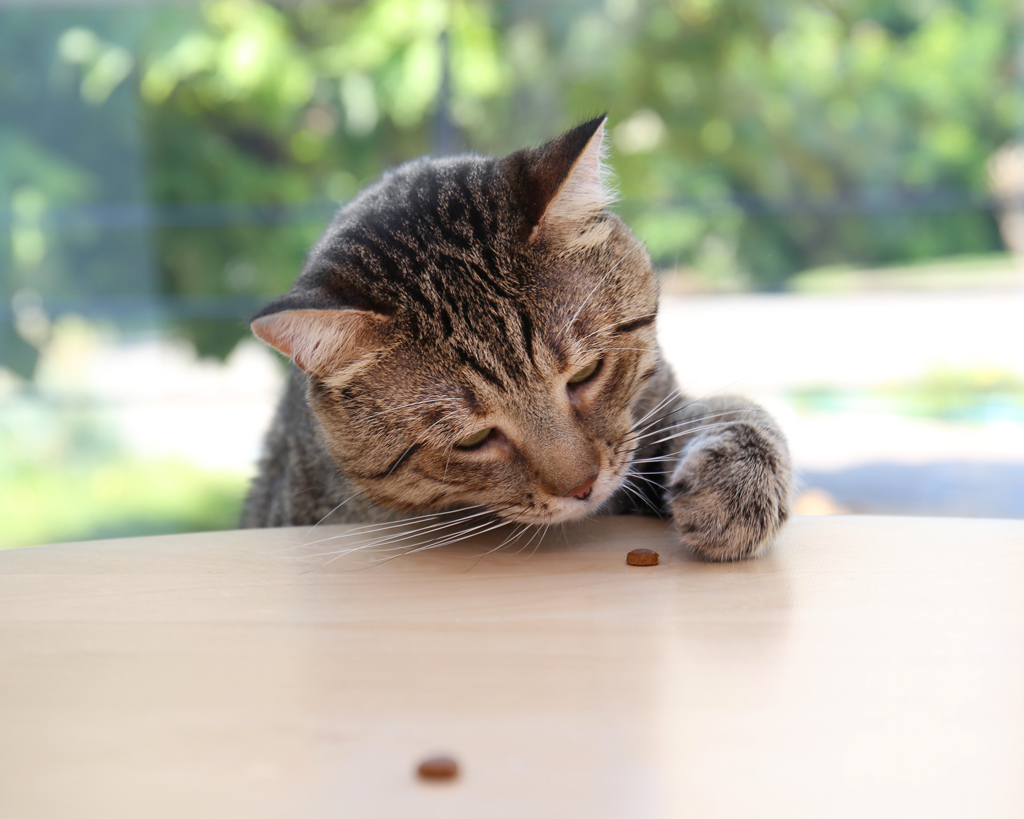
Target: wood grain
{"x": 867, "y": 667}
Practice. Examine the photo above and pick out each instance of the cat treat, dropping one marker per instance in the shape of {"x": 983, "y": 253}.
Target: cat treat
{"x": 474, "y": 339}
{"x": 438, "y": 768}
{"x": 642, "y": 557}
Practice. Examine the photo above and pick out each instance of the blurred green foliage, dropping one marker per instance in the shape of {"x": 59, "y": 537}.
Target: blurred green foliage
{"x": 750, "y": 140}
{"x": 120, "y": 498}
{"x": 64, "y": 475}
{"x": 979, "y": 396}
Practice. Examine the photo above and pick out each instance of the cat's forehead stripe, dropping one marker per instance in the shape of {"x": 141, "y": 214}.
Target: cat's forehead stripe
{"x": 471, "y": 361}
{"x": 526, "y": 327}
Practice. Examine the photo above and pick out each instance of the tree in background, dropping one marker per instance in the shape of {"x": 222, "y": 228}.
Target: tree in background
{"x": 189, "y": 155}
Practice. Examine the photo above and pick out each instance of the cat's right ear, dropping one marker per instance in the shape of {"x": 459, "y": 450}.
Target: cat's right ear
{"x": 563, "y": 183}
{"x": 321, "y": 342}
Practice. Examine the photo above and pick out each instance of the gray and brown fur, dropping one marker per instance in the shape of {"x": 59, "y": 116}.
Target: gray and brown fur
{"x": 462, "y": 294}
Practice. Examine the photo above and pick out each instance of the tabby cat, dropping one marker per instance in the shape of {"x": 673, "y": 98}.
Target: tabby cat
{"x": 478, "y": 334}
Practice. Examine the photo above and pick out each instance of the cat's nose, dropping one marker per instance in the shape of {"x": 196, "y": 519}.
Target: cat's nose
{"x": 583, "y": 490}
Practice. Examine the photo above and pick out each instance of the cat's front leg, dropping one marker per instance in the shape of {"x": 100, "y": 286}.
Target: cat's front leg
{"x": 729, "y": 493}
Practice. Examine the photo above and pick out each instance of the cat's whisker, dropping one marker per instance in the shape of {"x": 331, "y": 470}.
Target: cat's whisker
{"x": 636, "y": 493}
{"x": 673, "y": 436}
{"x": 661, "y": 458}
{"x": 683, "y": 424}
{"x": 699, "y": 402}
{"x": 431, "y": 529}
{"x": 535, "y": 531}
{"x": 517, "y": 530}
{"x": 373, "y": 528}
{"x": 444, "y": 477}
{"x": 413, "y": 548}
{"x": 385, "y": 543}
{"x": 399, "y": 536}
{"x": 315, "y": 525}
{"x": 532, "y": 529}
{"x": 488, "y": 526}
{"x": 540, "y": 541}
{"x": 647, "y": 432}
{"x": 674, "y": 411}
{"x": 639, "y": 475}
{"x": 522, "y": 530}
{"x": 498, "y": 547}
{"x": 689, "y": 431}
{"x": 673, "y": 394}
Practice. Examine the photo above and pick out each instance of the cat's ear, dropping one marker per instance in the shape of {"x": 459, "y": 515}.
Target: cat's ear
{"x": 321, "y": 342}
{"x": 566, "y": 181}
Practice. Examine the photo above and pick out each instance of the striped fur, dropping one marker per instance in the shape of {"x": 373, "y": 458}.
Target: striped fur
{"x": 464, "y": 294}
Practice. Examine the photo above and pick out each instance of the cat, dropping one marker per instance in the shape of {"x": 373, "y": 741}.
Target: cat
{"x": 478, "y": 334}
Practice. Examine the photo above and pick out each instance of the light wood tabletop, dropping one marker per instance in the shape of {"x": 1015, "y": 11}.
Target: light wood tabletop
{"x": 866, "y": 667}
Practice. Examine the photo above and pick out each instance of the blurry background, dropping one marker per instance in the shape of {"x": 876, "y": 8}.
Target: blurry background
{"x": 833, "y": 190}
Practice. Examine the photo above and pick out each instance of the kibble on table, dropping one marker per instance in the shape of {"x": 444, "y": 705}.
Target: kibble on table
{"x": 642, "y": 557}
{"x": 438, "y": 767}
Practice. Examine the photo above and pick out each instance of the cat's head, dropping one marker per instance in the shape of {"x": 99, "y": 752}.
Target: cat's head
{"x": 478, "y": 331}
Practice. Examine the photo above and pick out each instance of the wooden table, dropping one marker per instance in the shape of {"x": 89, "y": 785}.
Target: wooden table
{"x": 868, "y": 667}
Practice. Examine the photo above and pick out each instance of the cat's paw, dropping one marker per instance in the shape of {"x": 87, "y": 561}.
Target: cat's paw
{"x": 729, "y": 494}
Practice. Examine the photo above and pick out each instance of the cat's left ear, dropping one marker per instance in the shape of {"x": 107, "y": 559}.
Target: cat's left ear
{"x": 564, "y": 183}
{"x": 321, "y": 342}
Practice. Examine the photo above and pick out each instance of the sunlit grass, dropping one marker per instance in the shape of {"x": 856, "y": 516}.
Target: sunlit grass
{"x": 976, "y": 396}
{"x": 120, "y": 498}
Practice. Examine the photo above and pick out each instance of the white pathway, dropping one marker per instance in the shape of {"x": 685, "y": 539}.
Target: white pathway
{"x": 763, "y": 345}
{"x": 165, "y": 402}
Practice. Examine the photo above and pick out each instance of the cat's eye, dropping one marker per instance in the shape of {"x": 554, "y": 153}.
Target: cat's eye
{"x": 475, "y": 439}
{"x": 586, "y": 372}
